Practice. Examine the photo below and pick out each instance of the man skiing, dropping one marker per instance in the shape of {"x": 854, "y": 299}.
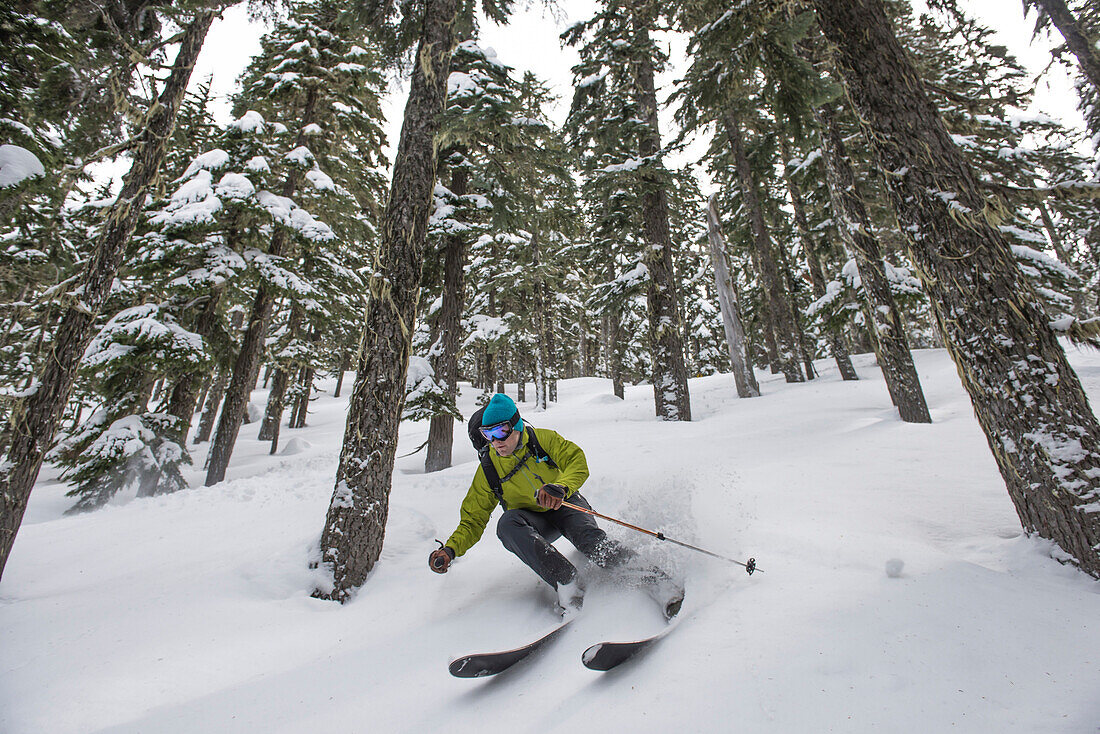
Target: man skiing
{"x": 536, "y": 469}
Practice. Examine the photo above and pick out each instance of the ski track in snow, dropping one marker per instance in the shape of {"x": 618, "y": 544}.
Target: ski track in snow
{"x": 191, "y": 612}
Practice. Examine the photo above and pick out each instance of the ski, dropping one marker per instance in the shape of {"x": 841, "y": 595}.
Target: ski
{"x": 483, "y": 664}
{"x": 604, "y": 656}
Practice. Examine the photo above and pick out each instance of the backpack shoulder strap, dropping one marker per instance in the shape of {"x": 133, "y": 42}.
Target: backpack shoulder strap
{"x": 536, "y": 448}
{"x": 483, "y": 456}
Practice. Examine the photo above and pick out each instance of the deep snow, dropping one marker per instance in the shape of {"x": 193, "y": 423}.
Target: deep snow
{"x": 191, "y": 612}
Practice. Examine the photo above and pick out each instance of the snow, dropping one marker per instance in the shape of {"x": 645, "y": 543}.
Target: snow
{"x": 320, "y": 180}
{"x": 896, "y": 591}
{"x": 17, "y": 164}
{"x": 301, "y": 155}
{"x": 211, "y": 160}
{"x": 250, "y": 122}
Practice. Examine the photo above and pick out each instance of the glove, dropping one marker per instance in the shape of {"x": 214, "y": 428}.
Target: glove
{"x": 550, "y": 496}
{"x": 441, "y": 558}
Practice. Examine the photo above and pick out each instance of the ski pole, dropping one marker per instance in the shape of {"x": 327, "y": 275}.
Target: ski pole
{"x": 749, "y": 567}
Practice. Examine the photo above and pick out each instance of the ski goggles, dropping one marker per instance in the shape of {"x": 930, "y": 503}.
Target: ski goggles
{"x": 498, "y": 431}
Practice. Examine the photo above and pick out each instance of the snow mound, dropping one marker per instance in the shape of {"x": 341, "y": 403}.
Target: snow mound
{"x": 605, "y": 399}
{"x": 295, "y": 446}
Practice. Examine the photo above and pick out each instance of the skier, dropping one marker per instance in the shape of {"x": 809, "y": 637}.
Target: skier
{"x": 536, "y": 469}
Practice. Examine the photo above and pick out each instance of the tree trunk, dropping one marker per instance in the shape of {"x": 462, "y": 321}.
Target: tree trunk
{"x": 884, "y": 320}
{"x": 301, "y": 412}
{"x": 206, "y": 381}
{"x": 213, "y": 402}
{"x": 441, "y": 429}
{"x": 340, "y": 376}
{"x": 33, "y": 423}
{"x": 355, "y": 526}
{"x": 813, "y": 262}
{"x": 276, "y": 397}
{"x": 805, "y": 350}
{"x": 185, "y": 393}
{"x": 542, "y": 335}
{"x": 1027, "y": 398}
{"x": 780, "y": 316}
{"x": 743, "y": 375}
{"x": 1077, "y": 41}
{"x": 246, "y": 369}
{"x": 670, "y": 387}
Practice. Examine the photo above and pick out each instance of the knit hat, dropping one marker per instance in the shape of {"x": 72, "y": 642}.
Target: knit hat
{"x": 500, "y": 409}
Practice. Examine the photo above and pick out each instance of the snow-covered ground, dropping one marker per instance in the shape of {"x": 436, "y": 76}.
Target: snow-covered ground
{"x": 191, "y": 613}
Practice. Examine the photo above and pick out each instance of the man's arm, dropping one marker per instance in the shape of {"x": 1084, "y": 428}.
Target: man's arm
{"x": 474, "y": 515}
{"x": 570, "y": 460}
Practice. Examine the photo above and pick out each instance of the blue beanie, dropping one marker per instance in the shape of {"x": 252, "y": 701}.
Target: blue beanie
{"x": 500, "y": 409}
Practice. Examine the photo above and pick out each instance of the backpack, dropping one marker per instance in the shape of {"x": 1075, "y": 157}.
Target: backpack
{"x": 487, "y": 466}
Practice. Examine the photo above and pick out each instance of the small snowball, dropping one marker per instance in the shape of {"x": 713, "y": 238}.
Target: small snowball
{"x": 893, "y": 567}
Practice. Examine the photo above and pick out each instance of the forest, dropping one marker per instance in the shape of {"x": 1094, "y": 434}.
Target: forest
{"x": 872, "y": 185}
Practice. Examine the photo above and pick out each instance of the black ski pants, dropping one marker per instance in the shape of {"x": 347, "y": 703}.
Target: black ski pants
{"x": 529, "y": 535}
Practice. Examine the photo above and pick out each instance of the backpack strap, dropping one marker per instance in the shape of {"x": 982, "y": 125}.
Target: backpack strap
{"x": 483, "y": 450}
{"x": 533, "y": 445}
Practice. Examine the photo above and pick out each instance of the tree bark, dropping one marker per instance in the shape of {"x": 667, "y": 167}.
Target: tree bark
{"x": 340, "y": 376}
{"x": 445, "y": 362}
{"x": 351, "y": 541}
{"x": 884, "y": 320}
{"x": 670, "y": 386}
{"x": 813, "y": 261}
{"x": 542, "y": 351}
{"x": 185, "y": 392}
{"x": 805, "y": 349}
{"x": 246, "y": 369}
{"x": 1027, "y": 398}
{"x": 33, "y": 423}
{"x": 611, "y": 326}
{"x": 776, "y": 305}
{"x": 301, "y": 411}
{"x": 276, "y": 397}
{"x": 743, "y": 376}
{"x": 213, "y": 402}
{"x": 301, "y": 407}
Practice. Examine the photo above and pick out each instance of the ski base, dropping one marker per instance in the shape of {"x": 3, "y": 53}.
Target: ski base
{"x": 604, "y": 656}
{"x": 484, "y": 664}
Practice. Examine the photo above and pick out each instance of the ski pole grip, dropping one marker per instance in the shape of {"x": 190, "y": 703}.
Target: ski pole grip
{"x": 441, "y": 560}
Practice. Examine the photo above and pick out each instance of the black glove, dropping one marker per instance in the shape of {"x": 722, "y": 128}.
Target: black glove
{"x": 550, "y": 496}
{"x": 441, "y": 558}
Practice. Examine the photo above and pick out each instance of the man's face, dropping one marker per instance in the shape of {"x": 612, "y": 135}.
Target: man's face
{"x": 508, "y": 445}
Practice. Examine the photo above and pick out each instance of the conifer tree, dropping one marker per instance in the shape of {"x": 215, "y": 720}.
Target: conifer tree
{"x": 311, "y": 74}
{"x": 1043, "y": 434}
{"x": 615, "y": 96}
{"x": 355, "y": 525}
{"x": 34, "y": 421}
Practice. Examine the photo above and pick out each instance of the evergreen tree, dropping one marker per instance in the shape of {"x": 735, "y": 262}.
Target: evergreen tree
{"x": 615, "y": 96}
{"x": 311, "y": 74}
{"x": 355, "y": 524}
{"x": 1043, "y": 434}
{"x": 34, "y": 421}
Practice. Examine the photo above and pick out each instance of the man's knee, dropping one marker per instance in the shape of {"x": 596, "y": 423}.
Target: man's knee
{"x": 512, "y": 524}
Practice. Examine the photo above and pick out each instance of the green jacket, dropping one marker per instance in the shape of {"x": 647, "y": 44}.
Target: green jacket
{"x": 520, "y": 489}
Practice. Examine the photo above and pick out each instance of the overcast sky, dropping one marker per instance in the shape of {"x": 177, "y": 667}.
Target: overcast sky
{"x": 530, "y": 42}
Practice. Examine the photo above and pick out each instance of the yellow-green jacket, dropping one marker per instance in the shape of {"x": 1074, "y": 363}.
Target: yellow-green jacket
{"x": 521, "y": 487}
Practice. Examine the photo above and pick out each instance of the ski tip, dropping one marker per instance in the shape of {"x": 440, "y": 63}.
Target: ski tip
{"x": 591, "y": 654}
{"x": 466, "y": 668}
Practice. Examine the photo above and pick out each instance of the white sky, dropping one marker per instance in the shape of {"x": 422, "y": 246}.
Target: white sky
{"x": 530, "y": 42}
